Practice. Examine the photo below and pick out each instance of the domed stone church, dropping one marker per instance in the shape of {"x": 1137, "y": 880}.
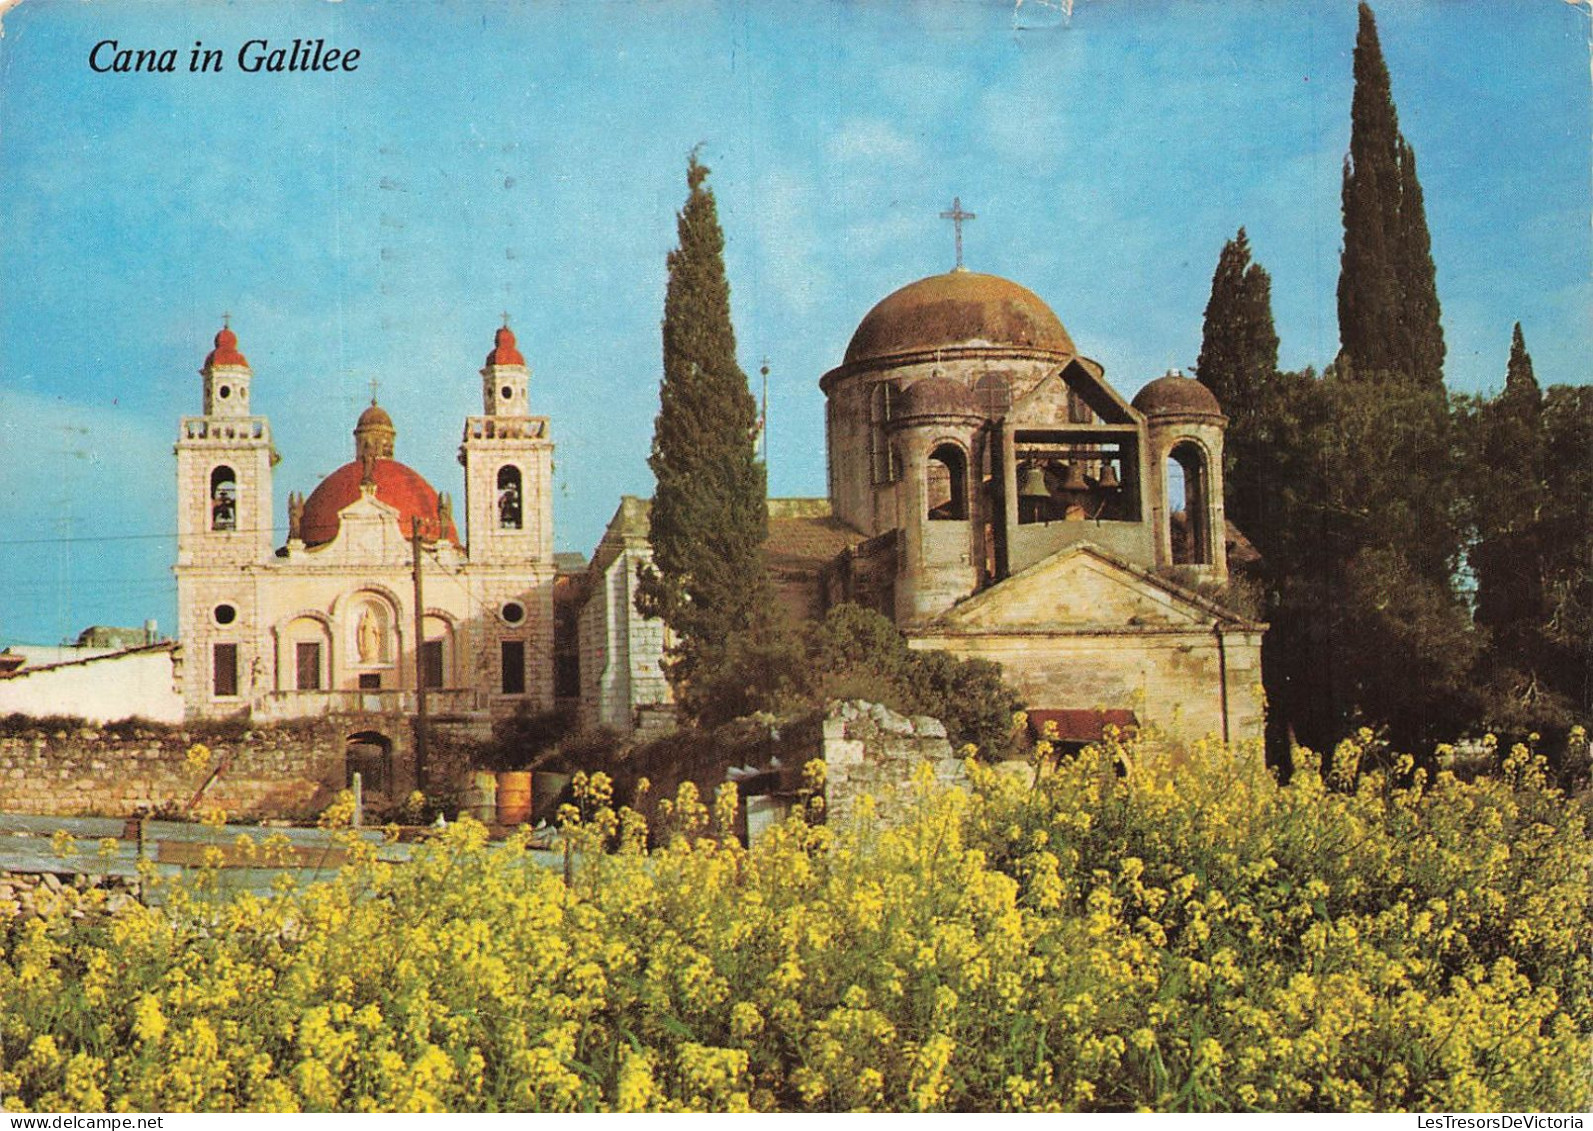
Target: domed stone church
{"x": 989, "y": 491}
{"x": 327, "y": 623}
{"x": 1007, "y": 503}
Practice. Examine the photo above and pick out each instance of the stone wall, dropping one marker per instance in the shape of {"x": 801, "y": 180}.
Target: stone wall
{"x": 286, "y": 772}
{"x": 867, "y": 749}
{"x": 871, "y": 750}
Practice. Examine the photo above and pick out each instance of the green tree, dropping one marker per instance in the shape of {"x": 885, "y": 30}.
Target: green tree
{"x": 1533, "y": 550}
{"x": 1508, "y": 498}
{"x": 709, "y": 514}
{"x": 855, "y": 653}
{"x": 1239, "y": 364}
{"x": 1388, "y": 297}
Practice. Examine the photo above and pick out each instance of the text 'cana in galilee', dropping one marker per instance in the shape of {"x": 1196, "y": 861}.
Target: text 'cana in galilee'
{"x": 256, "y": 56}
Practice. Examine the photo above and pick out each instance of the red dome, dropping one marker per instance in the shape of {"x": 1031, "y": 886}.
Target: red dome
{"x": 396, "y": 485}
{"x": 226, "y": 351}
{"x": 505, "y": 353}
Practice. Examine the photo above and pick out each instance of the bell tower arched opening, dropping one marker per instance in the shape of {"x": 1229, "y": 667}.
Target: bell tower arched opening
{"x": 1189, "y": 484}
{"x": 510, "y": 496}
{"x": 223, "y": 499}
{"x": 947, "y": 475}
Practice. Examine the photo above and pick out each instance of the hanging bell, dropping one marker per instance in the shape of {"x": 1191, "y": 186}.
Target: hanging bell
{"x": 1033, "y": 485}
{"x": 1072, "y": 478}
{"x": 1108, "y": 479}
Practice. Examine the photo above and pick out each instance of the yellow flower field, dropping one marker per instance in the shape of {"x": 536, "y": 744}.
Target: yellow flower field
{"x": 1176, "y": 937}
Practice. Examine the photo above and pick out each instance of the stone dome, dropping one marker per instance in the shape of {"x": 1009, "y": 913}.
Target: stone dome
{"x": 1174, "y": 394}
{"x": 397, "y": 485}
{"x": 937, "y": 396}
{"x": 374, "y": 417}
{"x": 226, "y": 351}
{"x": 959, "y": 308}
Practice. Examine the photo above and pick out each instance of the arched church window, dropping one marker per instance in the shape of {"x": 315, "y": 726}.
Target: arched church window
{"x": 509, "y": 498}
{"x": 223, "y": 499}
{"x": 883, "y": 465}
{"x": 1188, "y": 486}
{"x": 947, "y": 474}
{"x": 995, "y": 395}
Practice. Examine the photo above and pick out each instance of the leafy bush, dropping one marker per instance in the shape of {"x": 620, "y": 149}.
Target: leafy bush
{"x": 855, "y": 653}
{"x": 1178, "y": 937}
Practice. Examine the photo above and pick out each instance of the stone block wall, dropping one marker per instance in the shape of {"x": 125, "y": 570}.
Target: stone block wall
{"x": 287, "y": 772}
{"x": 871, "y": 750}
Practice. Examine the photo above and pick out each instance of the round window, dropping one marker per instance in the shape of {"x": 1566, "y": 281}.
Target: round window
{"x": 225, "y": 614}
{"x": 224, "y": 392}
{"x": 513, "y": 612}
{"x": 506, "y": 392}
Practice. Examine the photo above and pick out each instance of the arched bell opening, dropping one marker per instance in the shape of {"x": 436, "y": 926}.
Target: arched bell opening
{"x": 510, "y": 496}
{"x": 947, "y": 484}
{"x": 1189, "y": 488}
{"x": 223, "y": 499}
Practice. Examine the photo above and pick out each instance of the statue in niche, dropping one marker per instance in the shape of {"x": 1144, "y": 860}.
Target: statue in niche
{"x": 296, "y": 517}
{"x": 368, "y": 637}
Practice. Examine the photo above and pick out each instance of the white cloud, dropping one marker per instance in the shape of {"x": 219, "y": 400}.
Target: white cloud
{"x": 873, "y": 142}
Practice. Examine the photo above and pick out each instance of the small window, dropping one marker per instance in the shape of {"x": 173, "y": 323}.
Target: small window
{"x": 947, "y": 475}
{"x": 509, "y": 500}
{"x": 225, "y": 614}
{"x": 223, "y": 499}
{"x": 431, "y": 663}
{"x": 307, "y": 656}
{"x": 224, "y": 670}
{"x": 370, "y": 681}
{"x": 883, "y": 464}
{"x": 514, "y": 667}
{"x": 995, "y": 395}
{"x": 506, "y": 393}
{"x": 513, "y": 612}
{"x": 567, "y": 675}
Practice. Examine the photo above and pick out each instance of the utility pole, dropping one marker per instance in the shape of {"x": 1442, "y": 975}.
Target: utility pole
{"x": 420, "y": 662}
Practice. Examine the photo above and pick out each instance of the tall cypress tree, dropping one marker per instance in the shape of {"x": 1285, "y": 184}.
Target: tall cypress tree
{"x": 1508, "y": 498}
{"x": 709, "y": 514}
{"x": 1388, "y": 294}
{"x": 1239, "y": 364}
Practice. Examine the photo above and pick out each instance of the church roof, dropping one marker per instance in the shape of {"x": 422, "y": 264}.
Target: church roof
{"x": 226, "y": 351}
{"x": 397, "y": 485}
{"x": 374, "y": 417}
{"x": 959, "y": 308}
{"x": 504, "y": 351}
{"x": 937, "y": 396}
{"x": 1175, "y": 394}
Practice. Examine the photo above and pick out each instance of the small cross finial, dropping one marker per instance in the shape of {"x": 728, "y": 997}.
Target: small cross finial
{"x": 957, "y": 216}
{"x": 374, "y": 384}
{"x": 226, "y": 320}
{"x": 505, "y": 319}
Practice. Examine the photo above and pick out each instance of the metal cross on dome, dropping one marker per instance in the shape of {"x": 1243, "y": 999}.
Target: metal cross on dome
{"x": 374, "y": 384}
{"x": 957, "y": 216}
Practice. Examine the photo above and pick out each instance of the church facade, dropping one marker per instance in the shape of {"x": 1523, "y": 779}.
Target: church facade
{"x": 989, "y": 491}
{"x": 1014, "y": 507}
{"x": 333, "y": 623}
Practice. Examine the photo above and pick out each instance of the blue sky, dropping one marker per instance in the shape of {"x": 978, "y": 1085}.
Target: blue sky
{"x": 530, "y": 157}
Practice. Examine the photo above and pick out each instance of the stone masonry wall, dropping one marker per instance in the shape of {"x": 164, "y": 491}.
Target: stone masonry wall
{"x": 286, "y": 772}
{"x": 870, "y": 749}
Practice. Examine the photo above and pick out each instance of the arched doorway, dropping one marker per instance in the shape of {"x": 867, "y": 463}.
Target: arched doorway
{"x": 369, "y": 754}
